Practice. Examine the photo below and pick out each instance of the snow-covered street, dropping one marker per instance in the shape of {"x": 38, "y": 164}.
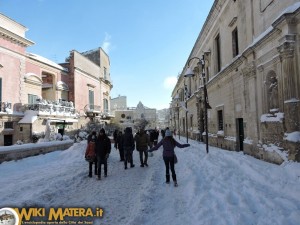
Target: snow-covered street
{"x": 218, "y": 188}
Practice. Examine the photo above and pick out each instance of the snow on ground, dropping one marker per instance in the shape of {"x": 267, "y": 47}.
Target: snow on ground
{"x": 219, "y": 188}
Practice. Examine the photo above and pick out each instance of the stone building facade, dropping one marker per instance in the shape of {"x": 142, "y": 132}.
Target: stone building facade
{"x": 118, "y": 103}
{"x": 36, "y": 92}
{"x": 248, "y": 52}
{"x": 132, "y": 116}
{"x": 142, "y": 112}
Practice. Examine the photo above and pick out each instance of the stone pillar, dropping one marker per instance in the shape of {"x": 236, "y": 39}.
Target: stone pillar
{"x": 200, "y": 121}
{"x": 290, "y": 83}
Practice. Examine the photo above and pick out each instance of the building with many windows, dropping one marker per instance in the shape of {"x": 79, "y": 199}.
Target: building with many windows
{"x": 247, "y": 57}
{"x": 37, "y": 94}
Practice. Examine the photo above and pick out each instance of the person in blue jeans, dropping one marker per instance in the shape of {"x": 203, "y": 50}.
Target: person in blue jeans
{"x": 169, "y": 144}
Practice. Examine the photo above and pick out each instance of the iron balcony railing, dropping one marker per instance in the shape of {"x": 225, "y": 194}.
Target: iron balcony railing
{"x": 65, "y": 108}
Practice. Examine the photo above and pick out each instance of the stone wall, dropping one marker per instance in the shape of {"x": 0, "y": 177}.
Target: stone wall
{"x": 272, "y": 132}
{"x": 14, "y": 152}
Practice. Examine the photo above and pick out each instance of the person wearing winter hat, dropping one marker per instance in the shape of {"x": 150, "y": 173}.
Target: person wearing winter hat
{"x": 103, "y": 148}
{"x": 168, "y": 133}
{"x": 169, "y": 144}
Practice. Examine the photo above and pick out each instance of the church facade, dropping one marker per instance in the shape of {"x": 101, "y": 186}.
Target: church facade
{"x": 247, "y": 57}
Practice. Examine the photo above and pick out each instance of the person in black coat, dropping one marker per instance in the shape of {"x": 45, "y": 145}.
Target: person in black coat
{"x": 152, "y": 137}
{"x": 115, "y": 135}
{"x": 162, "y": 133}
{"x": 156, "y": 134}
{"x": 103, "y": 148}
{"x": 119, "y": 145}
{"x": 128, "y": 145}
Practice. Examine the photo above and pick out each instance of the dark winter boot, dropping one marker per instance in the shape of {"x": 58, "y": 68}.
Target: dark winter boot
{"x": 90, "y": 169}
{"x": 96, "y": 167}
{"x": 175, "y": 180}
{"x": 99, "y": 173}
{"x": 167, "y": 178}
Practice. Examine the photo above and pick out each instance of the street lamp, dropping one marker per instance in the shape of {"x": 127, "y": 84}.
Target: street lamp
{"x": 186, "y": 114}
{"x": 200, "y": 117}
{"x": 190, "y": 73}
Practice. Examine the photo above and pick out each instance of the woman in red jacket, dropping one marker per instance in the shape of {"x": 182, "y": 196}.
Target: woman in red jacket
{"x": 90, "y": 153}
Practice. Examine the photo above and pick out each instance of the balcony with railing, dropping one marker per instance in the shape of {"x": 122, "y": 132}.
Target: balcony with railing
{"x": 95, "y": 111}
{"x": 92, "y": 110}
{"x": 47, "y": 107}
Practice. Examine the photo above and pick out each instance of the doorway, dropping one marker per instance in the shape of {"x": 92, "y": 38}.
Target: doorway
{"x": 8, "y": 140}
{"x": 240, "y": 134}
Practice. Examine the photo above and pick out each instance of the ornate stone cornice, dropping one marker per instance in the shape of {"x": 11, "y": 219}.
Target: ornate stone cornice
{"x": 287, "y": 47}
{"x": 8, "y": 35}
{"x": 273, "y": 60}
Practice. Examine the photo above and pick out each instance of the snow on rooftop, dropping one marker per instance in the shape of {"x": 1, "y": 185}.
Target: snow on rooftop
{"x": 46, "y": 61}
{"x": 29, "y": 117}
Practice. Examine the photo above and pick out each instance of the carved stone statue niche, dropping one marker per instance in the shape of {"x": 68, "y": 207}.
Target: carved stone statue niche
{"x": 273, "y": 92}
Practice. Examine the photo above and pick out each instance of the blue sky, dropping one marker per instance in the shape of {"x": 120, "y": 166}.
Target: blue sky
{"x": 148, "y": 41}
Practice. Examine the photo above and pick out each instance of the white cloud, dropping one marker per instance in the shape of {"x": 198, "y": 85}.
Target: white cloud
{"x": 106, "y": 43}
{"x": 170, "y": 82}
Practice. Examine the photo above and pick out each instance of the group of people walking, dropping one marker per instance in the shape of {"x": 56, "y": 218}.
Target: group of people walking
{"x": 126, "y": 143}
{"x": 97, "y": 152}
